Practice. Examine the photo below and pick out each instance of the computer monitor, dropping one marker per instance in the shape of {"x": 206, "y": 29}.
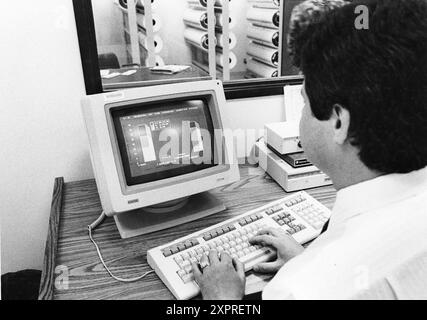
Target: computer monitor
{"x": 157, "y": 151}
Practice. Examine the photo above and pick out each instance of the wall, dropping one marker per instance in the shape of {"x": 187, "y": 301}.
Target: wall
{"x": 42, "y": 134}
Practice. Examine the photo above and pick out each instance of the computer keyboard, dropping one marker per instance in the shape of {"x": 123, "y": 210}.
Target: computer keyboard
{"x": 299, "y": 214}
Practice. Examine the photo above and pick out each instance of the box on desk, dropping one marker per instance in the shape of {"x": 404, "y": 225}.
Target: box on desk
{"x": 283, "y": 137}
{"x": 289, "y": 178}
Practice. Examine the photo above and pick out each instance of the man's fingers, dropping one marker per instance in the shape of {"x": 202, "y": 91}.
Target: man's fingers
{"x": 225, "y": 257}
{"x": 204, "y": 261}
{"x": 239, "y": 267}
{"x": 264, "y": 240}
{"x": 213, "y": 257}
{"x": 196, "y": 271}
{"x": 276, "y": 232}
{"x": 267, "y": 267}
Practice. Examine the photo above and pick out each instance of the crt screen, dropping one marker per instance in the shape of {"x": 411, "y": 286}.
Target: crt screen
{"x": 164, "y": 140}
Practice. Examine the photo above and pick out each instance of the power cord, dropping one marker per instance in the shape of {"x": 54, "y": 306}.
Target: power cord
{"x": 92, "y": 227}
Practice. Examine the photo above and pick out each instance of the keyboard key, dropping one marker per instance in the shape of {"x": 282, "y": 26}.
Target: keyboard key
{"x": 178, "y": 260}
{"x": 207, "y": 236}
{"x": 188, "y": 244}
{"x": 184, "y": 264}
{"x": 185, "y": 256}
{"x": 230, "y": 236}
{"x": 242, "y": 222}
{"x": 181, "y": 273}
{"x": 181, "y": 247}
{"x": 242, "y": 232}
{"x": 188, "y": 278}
{"x": 194, "y": 242}
{"x": 188, "y": 268}
{"x": 167, "y": 252}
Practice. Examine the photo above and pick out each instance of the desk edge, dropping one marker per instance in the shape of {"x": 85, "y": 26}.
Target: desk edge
{"x": 48, "y": 272}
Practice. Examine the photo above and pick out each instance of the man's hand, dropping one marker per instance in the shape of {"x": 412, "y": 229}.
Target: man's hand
{"x": 280, "y": 241}
{"x": 220, "y": 278}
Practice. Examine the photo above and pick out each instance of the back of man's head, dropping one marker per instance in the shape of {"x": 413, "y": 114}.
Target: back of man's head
{"x": 378, "y": 74}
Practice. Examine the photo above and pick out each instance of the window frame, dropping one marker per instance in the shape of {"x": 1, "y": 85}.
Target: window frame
{"x": 236, "y": 89}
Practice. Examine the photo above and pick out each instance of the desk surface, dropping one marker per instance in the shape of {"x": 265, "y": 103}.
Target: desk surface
{"x": 70, "y": 252}
{"x": 144, "y": 77}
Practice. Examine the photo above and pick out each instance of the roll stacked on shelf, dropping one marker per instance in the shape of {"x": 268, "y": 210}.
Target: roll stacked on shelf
{"x": 143, "y": 41}
{"x": 158, "y": 61}
{"x": 220, "y": 21}
{"x": 264, "y": 38}
{"x": 261, "y": 69}
{"x": 204, "y": 3}
{"x": 266, "y": 3}
{"x": 264, "y": 17}
{"x": 267, "y": 36}
{"x": 264, "y": 54}
{"x": 196, "y": 34}
{"x": 196, "y": 18}
{"x": 232, "y": 60}
{"x": 197, "y": 37}
{"x": 157, "y": 22}
{"x": 221, "y": 42}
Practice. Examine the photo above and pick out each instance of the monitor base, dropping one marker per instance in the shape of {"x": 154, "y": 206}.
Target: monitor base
{"x": 139, "y": 222}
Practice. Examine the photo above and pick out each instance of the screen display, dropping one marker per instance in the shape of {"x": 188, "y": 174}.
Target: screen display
{"x": 164, "y": 140}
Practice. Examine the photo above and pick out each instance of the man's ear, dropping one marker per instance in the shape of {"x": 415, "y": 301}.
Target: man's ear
{"x": 341, "y": 122}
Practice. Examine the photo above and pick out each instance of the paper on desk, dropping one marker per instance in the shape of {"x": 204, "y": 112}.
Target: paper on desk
{"x": 104, "y": 72}
{"x": 128, "y": 73}
{"x": 293, "y": 101}
{"x": 111, "y": 75}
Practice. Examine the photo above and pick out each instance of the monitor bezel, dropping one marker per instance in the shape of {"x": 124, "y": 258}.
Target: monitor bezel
{"x": 212, "y": 102}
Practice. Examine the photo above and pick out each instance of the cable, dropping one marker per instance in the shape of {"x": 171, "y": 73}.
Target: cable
{"x": 91, "y": 227}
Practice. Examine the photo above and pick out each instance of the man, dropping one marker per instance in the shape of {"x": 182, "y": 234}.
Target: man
{"x": 364, "y": 123}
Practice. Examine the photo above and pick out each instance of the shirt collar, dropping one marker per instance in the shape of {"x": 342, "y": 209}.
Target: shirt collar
{"x": 376, "y": 193}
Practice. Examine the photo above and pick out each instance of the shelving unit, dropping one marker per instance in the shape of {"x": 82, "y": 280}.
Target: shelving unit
{"x": 228, "y": 39}
{"x": 143, "y": 44}
{"x": 264, "y": 45}
{"x": 216, "y": 59}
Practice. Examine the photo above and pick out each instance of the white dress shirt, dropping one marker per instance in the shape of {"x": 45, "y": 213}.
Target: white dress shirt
{"x": 374, "y": 248}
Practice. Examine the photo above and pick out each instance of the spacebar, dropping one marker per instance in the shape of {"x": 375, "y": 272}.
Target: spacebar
{"x": 256, "y": 257}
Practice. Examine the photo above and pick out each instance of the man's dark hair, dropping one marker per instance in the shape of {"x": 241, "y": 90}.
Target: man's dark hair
{"x": 378, "y": 74}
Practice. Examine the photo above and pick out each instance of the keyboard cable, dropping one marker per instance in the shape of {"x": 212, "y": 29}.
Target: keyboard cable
{"x": 91, "y": 228}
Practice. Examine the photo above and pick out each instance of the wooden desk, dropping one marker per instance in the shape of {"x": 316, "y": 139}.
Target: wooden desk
{"x": 68, "y": 248}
